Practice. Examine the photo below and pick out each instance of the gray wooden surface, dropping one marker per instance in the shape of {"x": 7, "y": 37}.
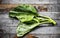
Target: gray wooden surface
{"x": 9, "y": 25}
{"x": 39, "y": 36}
{"x": 29, "y": 1}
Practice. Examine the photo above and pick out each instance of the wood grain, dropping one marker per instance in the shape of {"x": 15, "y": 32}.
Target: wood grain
{"x": 4, "y": 6}
{"x": 27, "y": 36}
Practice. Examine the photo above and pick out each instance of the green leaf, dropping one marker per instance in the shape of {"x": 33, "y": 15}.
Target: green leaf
{"x": 22, "y": 29}
{"x": 25, "y": 17}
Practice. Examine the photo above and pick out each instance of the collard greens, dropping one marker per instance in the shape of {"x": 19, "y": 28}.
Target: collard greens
{"x": 29, "y": 19}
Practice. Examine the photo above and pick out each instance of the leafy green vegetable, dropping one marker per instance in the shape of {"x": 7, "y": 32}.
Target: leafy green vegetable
{"x": 25, "y": 8}
{"x": 29, "y": 18}
{"x": 24, "y": 28}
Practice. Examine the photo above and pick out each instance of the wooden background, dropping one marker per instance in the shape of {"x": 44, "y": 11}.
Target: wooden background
{"x": 9, "y": 25}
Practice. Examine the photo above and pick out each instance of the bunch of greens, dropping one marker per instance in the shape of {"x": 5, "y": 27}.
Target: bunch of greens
{"x": 29, "y": 19}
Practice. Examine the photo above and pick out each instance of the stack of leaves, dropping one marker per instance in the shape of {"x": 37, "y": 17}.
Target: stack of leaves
{"x": 28, "y": 18}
